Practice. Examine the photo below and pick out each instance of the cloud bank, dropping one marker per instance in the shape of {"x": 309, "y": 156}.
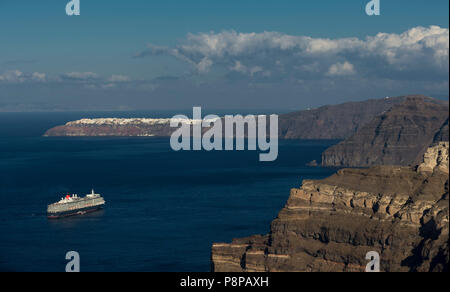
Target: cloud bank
{"x": 419, "y": 53}
{"x": 86, "y": 79}
{"x": 237, "y": 70}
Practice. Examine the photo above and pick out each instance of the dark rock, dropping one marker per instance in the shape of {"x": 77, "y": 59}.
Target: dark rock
{"x": 443, "y": 134}
{"x": 333, "y": 121}
{"x": 398, "y": 137}
{"x": 330, "y": 225}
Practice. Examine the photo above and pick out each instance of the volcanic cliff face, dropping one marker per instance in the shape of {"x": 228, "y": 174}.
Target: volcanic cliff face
{"x": 435, "y": 158}
{"x": 398, "y": 137}
{"x": 330, "y": 225}
{"x": 443, "y": 134}
{"x": 328, "y": 122}
{"x": 333, "y": 121}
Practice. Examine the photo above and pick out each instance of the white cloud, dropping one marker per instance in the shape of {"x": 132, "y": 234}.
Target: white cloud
{"x": 80, "y": 76}
{"x": 341, "y": 69}
{"x": 108, "y": 85}
{"x": 14, "y": 76}
{"x": 87, "y": 79}
{"x": 239, "y": 67}
{"x": 204, "y": 65}
{"x": 39, "y": 77}
{"x": 118, "y": 78}
{"x": 17, "y": 76}
{"x": 421, "y": 52}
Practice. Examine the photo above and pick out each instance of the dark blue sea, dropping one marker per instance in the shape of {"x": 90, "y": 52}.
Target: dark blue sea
{"x": 164, "y": 208}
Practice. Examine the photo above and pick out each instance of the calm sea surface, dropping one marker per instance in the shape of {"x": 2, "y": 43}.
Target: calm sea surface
{"x": 164, "y": 209}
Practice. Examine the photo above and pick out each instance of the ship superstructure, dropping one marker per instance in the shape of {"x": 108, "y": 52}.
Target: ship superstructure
{"x": 72, "y": 205}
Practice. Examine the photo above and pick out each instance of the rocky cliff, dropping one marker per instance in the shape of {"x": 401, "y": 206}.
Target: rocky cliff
{"x": 435, "y": 158}
{"x": 333, "y": 121}
{"x": 443, "y": 134}
{"x": 330, "y": 225}
{"x": 400, "y": 136}
{"x": 328, "y": 122}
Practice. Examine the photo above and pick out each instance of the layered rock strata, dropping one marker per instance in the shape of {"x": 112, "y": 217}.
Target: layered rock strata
{"x": 398, "y": 137}
{"x": 330, "y": 225}
{"x": 336, "y": 122}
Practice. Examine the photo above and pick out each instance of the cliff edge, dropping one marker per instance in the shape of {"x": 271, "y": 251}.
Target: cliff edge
{"x": 399, "y": 136}
{"x": 336, "y": 122}
{"x": 330, "y": 225}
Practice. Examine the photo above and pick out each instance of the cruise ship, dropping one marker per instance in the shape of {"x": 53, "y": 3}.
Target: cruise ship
{"x": 72, "y": 205}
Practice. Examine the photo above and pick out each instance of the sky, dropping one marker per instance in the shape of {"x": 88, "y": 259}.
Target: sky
{"x": 221, "y": 54}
